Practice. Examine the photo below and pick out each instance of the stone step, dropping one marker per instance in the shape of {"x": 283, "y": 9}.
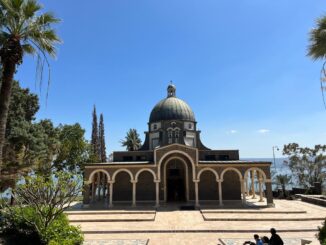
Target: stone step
{"x": 209, "y": 216}
{"x": 116, "y": 217}
{"x": 109, "y": 212}
{"x": 195, "y": 231}
{"x": 250, "y": 212}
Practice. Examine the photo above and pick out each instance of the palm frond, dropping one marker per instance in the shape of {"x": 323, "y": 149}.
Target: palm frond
{"x": 30, "y": 8}
{"x": 16, "y": 4}
{"x": 29, "y": 49}
{"x": 46, "y": 19}
{"x": 317, "y": 39}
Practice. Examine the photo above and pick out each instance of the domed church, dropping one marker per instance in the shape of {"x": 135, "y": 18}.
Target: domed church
{"x": 174, "y": 166}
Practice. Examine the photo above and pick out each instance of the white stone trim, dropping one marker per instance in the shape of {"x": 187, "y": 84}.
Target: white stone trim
{"x": 186, "y": 180}
{"x": 180, "y": 152}
{"x": 98, "y": 171}
{"x": 145, "y": 170}
{"x": 257, "y": 169}
{"x": 123, "y": 170}
{"x": 207, "y": 169}
{"x": 231, "y": 169}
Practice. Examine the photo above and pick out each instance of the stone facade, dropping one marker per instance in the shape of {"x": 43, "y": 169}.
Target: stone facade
{"x": 174, "y": 166}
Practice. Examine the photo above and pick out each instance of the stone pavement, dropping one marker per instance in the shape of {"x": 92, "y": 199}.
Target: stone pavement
{"x": 294, "y": 220}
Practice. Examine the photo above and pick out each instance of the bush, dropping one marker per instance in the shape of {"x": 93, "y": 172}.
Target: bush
{"x": 16, "y": 230}
{"x": 19, "y": 226}
{"x": 61, "y": 233}
{"x": 322, "y": 234}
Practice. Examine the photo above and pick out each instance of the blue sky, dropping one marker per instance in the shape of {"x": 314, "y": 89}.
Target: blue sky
{"x": 241, "y": 65}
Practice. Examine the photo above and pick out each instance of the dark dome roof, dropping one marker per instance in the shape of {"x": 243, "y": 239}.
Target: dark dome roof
{"x": 172, "y": 108}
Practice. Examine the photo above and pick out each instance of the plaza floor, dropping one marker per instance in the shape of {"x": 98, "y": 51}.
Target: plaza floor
{"x": 294, "y": 220}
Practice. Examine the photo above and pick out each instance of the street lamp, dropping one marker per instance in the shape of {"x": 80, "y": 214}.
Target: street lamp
{"x": 275, "y": 147}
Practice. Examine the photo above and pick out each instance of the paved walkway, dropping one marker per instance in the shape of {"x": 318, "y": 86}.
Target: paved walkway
{"x": 171, "y": 226}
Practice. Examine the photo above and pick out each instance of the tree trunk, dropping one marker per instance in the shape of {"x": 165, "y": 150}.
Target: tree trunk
{"x": 5, "y": 93}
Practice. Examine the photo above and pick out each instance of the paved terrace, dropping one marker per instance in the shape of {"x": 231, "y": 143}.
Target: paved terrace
{"x": 294, "y": 220}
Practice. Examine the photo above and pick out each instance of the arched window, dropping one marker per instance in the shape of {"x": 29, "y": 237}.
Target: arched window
{"x": 170, "y": 136}
{"x": 176, "y": 135}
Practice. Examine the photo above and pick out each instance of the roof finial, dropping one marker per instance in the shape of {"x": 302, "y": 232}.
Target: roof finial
{"x": 171, "y": 90}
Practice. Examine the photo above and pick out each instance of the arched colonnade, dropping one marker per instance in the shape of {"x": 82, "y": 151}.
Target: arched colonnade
{"x": 101, "y": 184}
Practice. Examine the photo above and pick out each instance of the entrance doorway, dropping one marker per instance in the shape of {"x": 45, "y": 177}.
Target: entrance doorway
{"x": 176, "y": 181}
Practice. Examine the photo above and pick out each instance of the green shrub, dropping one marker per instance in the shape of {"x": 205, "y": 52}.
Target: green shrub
{"x": 322, "y": 234}
{"x": 61, "y": 233}
{"x": 16, "y": 230}
{"x": 21, "y": 225}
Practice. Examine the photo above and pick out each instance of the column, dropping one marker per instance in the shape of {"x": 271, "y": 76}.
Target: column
{"x": 253, "y": 184}
{"x": 246, "y": 186}
{"x": 157, "y": 189}
{"x": 104, "y": 181}
{"x": 261, "y": 199}
{"x": 86, "y": 193}
{"x": 196, "y": 193}
{"x": 220, "y": 192}
{"x": 108, "y": 192}
{"x": 93, "y": 190}
{"x": 111, "y": 193}
{"x": 98, "y": 185}
{"x": 243, "y": 191}
{"x": 269, "y": 193}
{"x": 134, "y": 182}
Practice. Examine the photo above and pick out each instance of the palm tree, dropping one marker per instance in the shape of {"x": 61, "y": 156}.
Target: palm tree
{"x": 132, "y": 142}
{"x": 317, "y": 49}
{"x": 283, "y": 180}
{"x": 22, "y": 31}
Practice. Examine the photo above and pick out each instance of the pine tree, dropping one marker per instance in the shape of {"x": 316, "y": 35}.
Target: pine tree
{"x": 95, "y": 138}
{"x": 102, "y": 139}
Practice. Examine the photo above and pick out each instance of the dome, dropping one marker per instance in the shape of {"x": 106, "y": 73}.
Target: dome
{"x": 171, "y": 108}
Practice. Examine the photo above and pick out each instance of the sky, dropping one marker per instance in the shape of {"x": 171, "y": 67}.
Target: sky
{"x": 240, "y": 64}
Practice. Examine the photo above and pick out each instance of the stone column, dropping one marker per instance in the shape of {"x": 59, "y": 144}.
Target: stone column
{"x": 246, "y": 186}
{"x": 108, "y": 193}
{"x": 261, "y": 199}
{"x": 269, "y": 193}
{"x": 111, "y": 193}
{"x": 93, "y": 191}
{"x": 220, "y": 192}
{"x": 253, "y": 184}
{"x": 86, "y": 190}
{"x": 243, "y": 193}
{"x": 99, "y": 186}
{"x": 157, "y": 189}
{"x": 104, "y": 181}
{"x": 196, "y": 193}
{"x": 134, "y": 182}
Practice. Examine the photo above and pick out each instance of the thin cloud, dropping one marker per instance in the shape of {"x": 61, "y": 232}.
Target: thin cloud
{"x": 263, "y": 131}
{"x": 232, "y": 131}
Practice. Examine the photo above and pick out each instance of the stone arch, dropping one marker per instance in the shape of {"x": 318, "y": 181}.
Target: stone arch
{"x": 207, "y": 185}
{"x": 186, "y": 176}
{"x": 122, "y": 188}
{"x": 231, "y": 185}
{"x": 207, "y": 169}
{"x": 98, "y": 171}
{"x": 171, "y": 153}
{"x": 123, "y": 170}
{"x": 145, "y": 186}
{"x": 257, "y": 169}
{"x": 145, "y": 170}
{"x": 231, "y": 169}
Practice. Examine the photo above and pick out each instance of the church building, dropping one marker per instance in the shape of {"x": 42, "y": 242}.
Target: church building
{"x": 174, "y": 166}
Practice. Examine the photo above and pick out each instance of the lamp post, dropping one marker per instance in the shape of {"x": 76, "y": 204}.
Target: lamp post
{"x": 275, "y": 147}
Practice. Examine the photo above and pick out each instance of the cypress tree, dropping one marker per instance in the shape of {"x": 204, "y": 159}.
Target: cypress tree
{"x": 95, "y": 138}
{"x": 102, "y": 139}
